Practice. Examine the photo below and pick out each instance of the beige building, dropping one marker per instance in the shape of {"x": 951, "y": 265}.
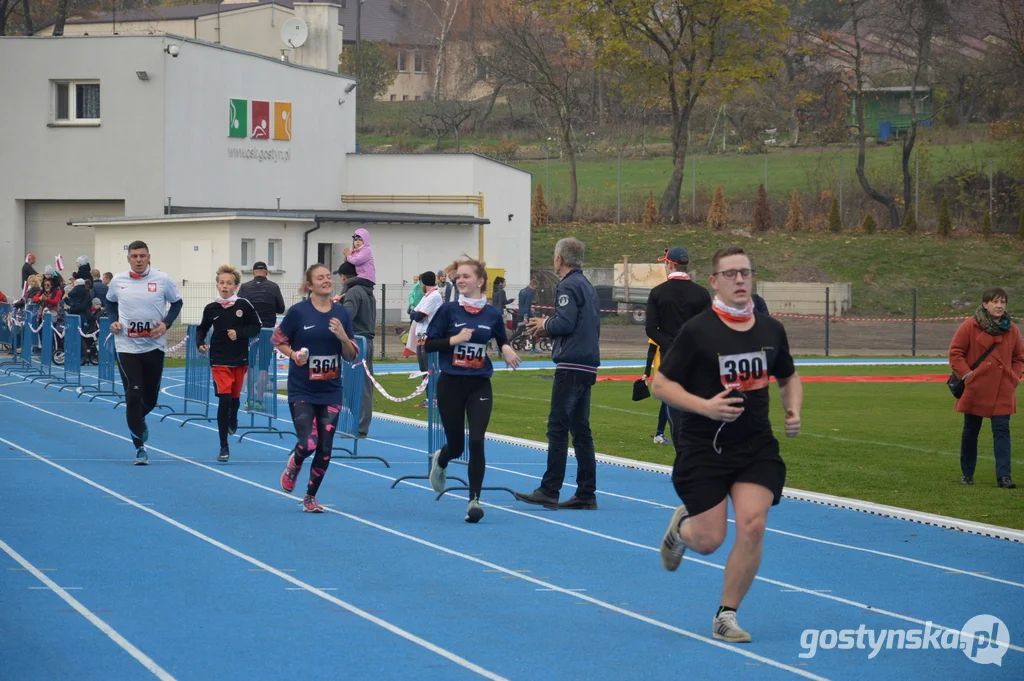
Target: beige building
{"x": 256, "y": 27}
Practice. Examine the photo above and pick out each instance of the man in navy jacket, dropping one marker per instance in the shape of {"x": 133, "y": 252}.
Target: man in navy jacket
{"x": 576, "y": 330}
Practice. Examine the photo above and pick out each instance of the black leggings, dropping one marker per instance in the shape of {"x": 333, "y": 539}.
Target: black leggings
{"x": 141, "y": 375}
{"x": 462, "y": 398}
{"x": 227, "y": 416}
{"x": 315, "y": 424}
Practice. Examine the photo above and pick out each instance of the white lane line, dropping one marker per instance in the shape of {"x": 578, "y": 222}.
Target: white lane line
{"x": 448, "y": 655}
{"x": 46, "y": 588}
{"x": 945, "y": 568}
{"x": 142, "y": 658}
{"x": 422, "y": 542}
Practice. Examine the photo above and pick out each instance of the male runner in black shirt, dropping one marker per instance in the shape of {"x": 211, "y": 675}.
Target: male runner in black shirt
{"x": 716, "y": 375}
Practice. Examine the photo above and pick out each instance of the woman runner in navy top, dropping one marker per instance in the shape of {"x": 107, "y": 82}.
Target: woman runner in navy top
{"x": 459, "y": 334}
{"x": 315, "y": 335}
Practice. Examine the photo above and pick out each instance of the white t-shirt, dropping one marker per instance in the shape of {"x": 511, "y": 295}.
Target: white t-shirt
{"x": 429, "y": 306}
{"x": 141, "y": 305}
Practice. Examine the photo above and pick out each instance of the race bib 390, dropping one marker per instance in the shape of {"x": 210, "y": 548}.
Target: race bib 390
{"x": 745, "y": 372}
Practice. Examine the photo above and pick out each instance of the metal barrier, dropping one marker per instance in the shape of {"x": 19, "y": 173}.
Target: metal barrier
{"x": 197, "y": 380}
{"x": 353, "y": 378}
{"x": 107, "y": 380}
{"x": 10, "y": 335}
{"x": 27, "y": 367}
{"x": 435, "y": 430}
{"x": 72, "y": 353}
{"x": 46, "y": 355}
{"x": 260, "y": 399}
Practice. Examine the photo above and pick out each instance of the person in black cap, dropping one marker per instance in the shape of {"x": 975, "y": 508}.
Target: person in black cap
{"x": 357, "y": 297}
{"x": 264, "y": 295}
{"x": 670, "y": 305}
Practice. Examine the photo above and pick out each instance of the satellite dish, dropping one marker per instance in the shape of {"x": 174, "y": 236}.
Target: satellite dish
{"x": 294, "y": 32}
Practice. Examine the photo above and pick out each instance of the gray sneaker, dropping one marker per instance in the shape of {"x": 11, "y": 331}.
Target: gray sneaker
{"x": 726, "y": 628}
{"x": 474, "y": 512}
{"x": 672, "y": 547}
{"x": 438, "y": 475}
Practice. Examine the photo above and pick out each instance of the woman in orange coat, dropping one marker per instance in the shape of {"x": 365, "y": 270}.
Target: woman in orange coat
{"x": 990, "y": 389}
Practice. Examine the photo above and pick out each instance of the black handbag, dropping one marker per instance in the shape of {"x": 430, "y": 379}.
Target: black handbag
{"x": 956, "y": 384}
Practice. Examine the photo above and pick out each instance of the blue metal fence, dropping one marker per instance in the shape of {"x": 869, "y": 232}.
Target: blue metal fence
{"x": 197, "y": 380}
{"x": 107, "y": 379}
{"x": 72, "y": 352}
{"x": 260, "y": 399}
{"x": 353, "y": 378}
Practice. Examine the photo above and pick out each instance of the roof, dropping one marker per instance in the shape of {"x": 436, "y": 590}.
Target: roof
{"x": 192, "y": 214}
{"x": 923, "y": 89}
{"x": 166, "y": 13}
{"x": 439, "y": 153}
{"x": 381, "y": 20}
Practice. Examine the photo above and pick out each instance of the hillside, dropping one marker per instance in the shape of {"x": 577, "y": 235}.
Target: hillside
{"x": 950, "y": 274}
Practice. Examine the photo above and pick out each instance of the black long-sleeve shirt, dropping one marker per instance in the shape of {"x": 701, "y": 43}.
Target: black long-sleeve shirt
{"x": 240, "y": 316}
{"x": 672, "y": 304}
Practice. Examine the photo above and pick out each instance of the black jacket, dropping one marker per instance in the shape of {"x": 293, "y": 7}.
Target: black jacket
{"x": 26, "y": 272}
{"x": 265, "y": 296}
{"x": 242, "y": 318}
{"x": 671, "y": 304}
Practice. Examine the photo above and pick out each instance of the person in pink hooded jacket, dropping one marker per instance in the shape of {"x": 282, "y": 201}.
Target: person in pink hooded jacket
{"x": 361, "y": 256}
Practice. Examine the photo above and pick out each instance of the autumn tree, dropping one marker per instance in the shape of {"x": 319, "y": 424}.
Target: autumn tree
{"x": 553, "y": 67}
{"x": 650, "y": 216}
{"x": 373, "y": 66}
{"x": 539, "y": 209}
{"x": 681, "y": 49}
{"x": 762, "y": 211}
{"x": 718, "y": 215}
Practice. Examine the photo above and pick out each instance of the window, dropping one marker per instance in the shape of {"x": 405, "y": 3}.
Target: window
{"x": 405, "y": 98}
{"x": 274, "y": 254}
{"x": 904, "y": 107}
{"x": 402, "y": 68}
{"x": 392, "y": 98}
{"x": 248, "y": 252}
{"x": 419, "y": 64}
{"x": 482, "y": 67}
{"x": 76, "y": 102}
{"x": 417, "y": 98}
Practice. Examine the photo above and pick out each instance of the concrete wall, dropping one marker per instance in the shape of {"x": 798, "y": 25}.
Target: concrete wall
{"x": 307, "y": 172}
{"x": 120, "y": 159}
{"x": 809, "y": 299}
{"x": 506, "y": 190}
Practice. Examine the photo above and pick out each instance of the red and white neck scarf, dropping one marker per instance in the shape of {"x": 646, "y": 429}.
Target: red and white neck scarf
{"x": 733, "y": 314}
{"x": 679, "y": 275}
{"x": 472, "y": 305}
{"x": 133, "y": 275}
{"x": 227, "y": 302}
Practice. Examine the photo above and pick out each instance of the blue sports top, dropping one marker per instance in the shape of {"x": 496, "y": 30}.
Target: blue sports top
{"x": 319, "y": 381}
{"x": 469, "y": 358}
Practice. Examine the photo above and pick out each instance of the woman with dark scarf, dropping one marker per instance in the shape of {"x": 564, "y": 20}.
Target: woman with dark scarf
{"x": 990, "y": 385}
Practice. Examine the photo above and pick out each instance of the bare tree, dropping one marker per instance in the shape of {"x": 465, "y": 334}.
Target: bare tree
{"x": 443, "y": 117}
{"x": 532, "y": 54}
{"x": 437, "y": 17}
{"x": 1010, "y": 14}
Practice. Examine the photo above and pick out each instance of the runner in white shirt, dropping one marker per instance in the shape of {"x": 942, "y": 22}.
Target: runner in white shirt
{"x": 137, "y": 301}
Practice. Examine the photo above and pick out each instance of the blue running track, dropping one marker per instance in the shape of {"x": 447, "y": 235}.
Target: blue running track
{"x": 189, "y": 569}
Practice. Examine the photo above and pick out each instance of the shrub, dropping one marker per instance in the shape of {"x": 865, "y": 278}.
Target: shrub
{"x": 762, "y": 211}
{"x": 795, "y": 219}
{"x": 651, "y": 215}
{"x": 835, "y": 221}
{"x": 539, "y": 209}
{"x": 718, "y": 216}
{"x": 869, "y": 224}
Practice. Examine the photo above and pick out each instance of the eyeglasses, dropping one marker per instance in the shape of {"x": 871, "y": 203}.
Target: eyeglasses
{"x": 731, "y": 274}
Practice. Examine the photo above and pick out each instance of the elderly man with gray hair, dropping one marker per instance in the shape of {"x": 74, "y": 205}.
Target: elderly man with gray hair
{"x": 576, "y": 329}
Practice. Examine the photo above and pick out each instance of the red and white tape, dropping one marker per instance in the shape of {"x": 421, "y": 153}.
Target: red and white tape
{"x": 420, "y": 389}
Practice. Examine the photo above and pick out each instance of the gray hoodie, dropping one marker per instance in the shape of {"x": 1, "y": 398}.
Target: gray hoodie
{"x": 360, "y": 301}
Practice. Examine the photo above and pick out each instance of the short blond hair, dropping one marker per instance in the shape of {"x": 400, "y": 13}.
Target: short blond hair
{"x": 232, "y": 270}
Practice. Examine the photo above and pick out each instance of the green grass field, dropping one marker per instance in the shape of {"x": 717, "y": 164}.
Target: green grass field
{"x": 807, "y": 170}
{"x": 950, "y": 274}
{"x": 895, "y": 444}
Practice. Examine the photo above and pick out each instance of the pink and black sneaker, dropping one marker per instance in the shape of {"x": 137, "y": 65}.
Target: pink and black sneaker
{"x": 291, "y": 472}
{"x": 309, "y": 505}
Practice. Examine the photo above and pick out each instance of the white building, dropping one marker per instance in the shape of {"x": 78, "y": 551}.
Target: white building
{"x": 215, "y": 155}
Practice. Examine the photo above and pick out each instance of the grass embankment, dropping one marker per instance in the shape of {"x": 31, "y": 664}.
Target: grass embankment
{"x": 855, "y": 442}
{"x": 950, "y": 273}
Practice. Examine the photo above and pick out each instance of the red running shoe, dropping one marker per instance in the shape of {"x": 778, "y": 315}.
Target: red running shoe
{"x": 291, "y": 471}
{"x": 309, "y": 505}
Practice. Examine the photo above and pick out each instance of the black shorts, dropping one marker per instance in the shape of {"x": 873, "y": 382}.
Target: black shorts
{"x": 703, "y": 477}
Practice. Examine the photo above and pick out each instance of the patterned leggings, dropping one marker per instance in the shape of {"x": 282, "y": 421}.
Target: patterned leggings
{"x": 315, "y": 425}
